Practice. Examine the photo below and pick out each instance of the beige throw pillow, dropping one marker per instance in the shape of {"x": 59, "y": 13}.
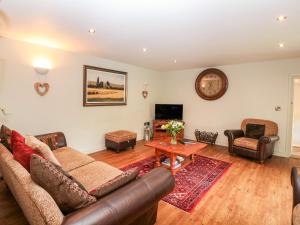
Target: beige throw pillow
{"x": 41, "y": 148}
{"x": 115, "y": 183}
{"x": 66, "y": 193}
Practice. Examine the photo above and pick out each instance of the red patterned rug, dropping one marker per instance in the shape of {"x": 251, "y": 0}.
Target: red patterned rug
{"x": 191, "y": 182}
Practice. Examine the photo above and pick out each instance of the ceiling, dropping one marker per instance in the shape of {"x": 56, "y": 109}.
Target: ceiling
{"x": 197, "y": 33}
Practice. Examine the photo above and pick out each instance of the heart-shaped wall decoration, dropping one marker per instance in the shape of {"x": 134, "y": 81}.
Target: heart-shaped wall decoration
{"x": 41, "y": 88}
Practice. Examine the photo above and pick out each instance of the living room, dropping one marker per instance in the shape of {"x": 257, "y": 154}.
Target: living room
{"x": 161, "y": 50}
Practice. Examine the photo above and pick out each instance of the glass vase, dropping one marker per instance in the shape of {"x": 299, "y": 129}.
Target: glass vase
{"x": 173, "y": 140}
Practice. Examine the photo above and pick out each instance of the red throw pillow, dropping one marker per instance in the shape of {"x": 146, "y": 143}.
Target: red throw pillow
{"x": 21, "y": 152}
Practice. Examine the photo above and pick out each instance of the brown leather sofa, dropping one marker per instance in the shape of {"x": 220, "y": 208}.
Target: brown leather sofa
{"x": 133, "y": 204}
{"x": 259, "y": 149}
{"x": 295, "y": 180}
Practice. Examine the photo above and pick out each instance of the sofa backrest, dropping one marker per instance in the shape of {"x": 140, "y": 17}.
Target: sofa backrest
{"x": 37, "y": 205}
{"x": 271, "y": 128}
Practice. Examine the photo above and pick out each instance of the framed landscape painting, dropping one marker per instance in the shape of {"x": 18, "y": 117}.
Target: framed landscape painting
{"x": 104, "y": 87}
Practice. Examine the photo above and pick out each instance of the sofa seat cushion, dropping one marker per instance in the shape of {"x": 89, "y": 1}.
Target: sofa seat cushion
{"x": 246, "y": 143}
{"x": 71, "y": 159}
{"x": 95, "y": 174}
{"x": 115, "y": 183}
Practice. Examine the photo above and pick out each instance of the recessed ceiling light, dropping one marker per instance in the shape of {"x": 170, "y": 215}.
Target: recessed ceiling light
{"x": 281, "y": 45}
{"x": 281, "y": 18}
{"x": 144, "y": 49}
{"x": 175, "y": 61}
{"x": 92, "y": 30}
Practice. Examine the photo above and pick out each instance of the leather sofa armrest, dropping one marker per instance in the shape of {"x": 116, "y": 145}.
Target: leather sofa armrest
{"x": 53, "y": 140}
{"x": 126, "y": 204}
{"x": 268, "y": 139}
{"x": 233, "y": 134}
{"x": 295, "y": 180}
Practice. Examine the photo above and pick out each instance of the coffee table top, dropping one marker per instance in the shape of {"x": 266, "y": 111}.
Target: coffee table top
{"x": 179, "y": 149}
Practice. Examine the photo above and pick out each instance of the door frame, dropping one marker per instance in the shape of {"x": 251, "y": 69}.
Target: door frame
{"x": 290, "y": 111}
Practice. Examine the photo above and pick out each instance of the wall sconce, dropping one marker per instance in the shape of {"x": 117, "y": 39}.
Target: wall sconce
{"x": 145, "y": 92}
{"x": 41, "y": 67}
{"x": 41, "y": 71}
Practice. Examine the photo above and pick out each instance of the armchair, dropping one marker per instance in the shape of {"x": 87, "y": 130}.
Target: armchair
{"x": 259, "y": 147}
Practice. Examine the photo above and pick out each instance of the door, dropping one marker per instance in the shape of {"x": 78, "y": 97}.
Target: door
{"x": 295, "y": 142}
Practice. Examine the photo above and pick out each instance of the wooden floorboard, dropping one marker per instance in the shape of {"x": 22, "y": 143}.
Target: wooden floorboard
{"x": 247, "y": 194}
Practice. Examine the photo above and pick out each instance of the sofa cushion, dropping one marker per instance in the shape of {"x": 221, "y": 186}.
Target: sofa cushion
{"x": 246, "y": 143}
{"x": 71, "y": 159}
{"x": 41, "y": 148}
{"x": 5, "y": 137}
{"x": 21, "y": 151}
{"x": 115, "y": 183}
{"x": 65, "y": 192}
{"x": 95, "y": 174}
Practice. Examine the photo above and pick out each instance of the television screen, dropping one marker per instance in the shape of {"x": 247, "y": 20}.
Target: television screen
{"x": 168, "y": 112}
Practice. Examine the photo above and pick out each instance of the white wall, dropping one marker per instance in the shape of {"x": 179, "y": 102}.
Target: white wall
{"x": 296, "y": 114}
{"x": 254, "y": 91}
{"x": 61, "y": 109}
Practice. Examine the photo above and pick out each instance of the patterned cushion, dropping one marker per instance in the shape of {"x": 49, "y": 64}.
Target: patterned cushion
{"x": 296, "y": 215}
{"x": 120, "y": 136}
{"x": 5, "y": 137}
{"x": 115, "y": 183}
{"x": 271, "y": 128}
{"x": 246, "y": 143}
{"x": 50, "y": 140}
{"x": 65, "y": 192}
{"x": 41, "y": 148}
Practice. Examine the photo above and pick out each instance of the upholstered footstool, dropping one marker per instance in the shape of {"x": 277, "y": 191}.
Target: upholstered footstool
{"x": 120, "y": 140}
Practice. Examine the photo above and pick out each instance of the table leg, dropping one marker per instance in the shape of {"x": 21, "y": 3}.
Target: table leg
{"x": 157, "y": 155}
{"x": 192, "y": 158}
{"x": 172, "y": 163}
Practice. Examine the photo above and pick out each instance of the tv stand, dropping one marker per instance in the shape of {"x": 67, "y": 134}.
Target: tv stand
{"x": 159, "y": 133}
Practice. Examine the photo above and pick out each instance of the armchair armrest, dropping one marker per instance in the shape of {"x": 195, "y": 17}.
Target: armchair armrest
{"x": 268, "y": 139}
{"x": 127, "y": 203}
{"x": 295, "y": 180}
{"x": 233, "y": 134}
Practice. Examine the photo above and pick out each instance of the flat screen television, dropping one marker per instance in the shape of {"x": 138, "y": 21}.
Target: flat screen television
{"x": 168, "y": 112}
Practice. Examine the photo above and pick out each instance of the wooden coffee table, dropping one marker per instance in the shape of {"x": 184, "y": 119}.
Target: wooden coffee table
{"x": 187, "y": 151}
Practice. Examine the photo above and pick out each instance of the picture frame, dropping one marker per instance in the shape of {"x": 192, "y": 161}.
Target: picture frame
{"x": 104, "y": 87}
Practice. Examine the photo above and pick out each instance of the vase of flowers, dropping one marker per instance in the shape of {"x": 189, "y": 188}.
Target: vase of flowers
{"x": 173, "y": 127}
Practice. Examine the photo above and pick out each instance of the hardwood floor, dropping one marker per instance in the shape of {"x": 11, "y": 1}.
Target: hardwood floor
{"x": 248, "y": 193}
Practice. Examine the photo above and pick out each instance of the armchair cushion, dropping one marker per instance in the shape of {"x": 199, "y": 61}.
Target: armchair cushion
{"x": 254, "y": 131}
{"x": 246, "y": 143}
